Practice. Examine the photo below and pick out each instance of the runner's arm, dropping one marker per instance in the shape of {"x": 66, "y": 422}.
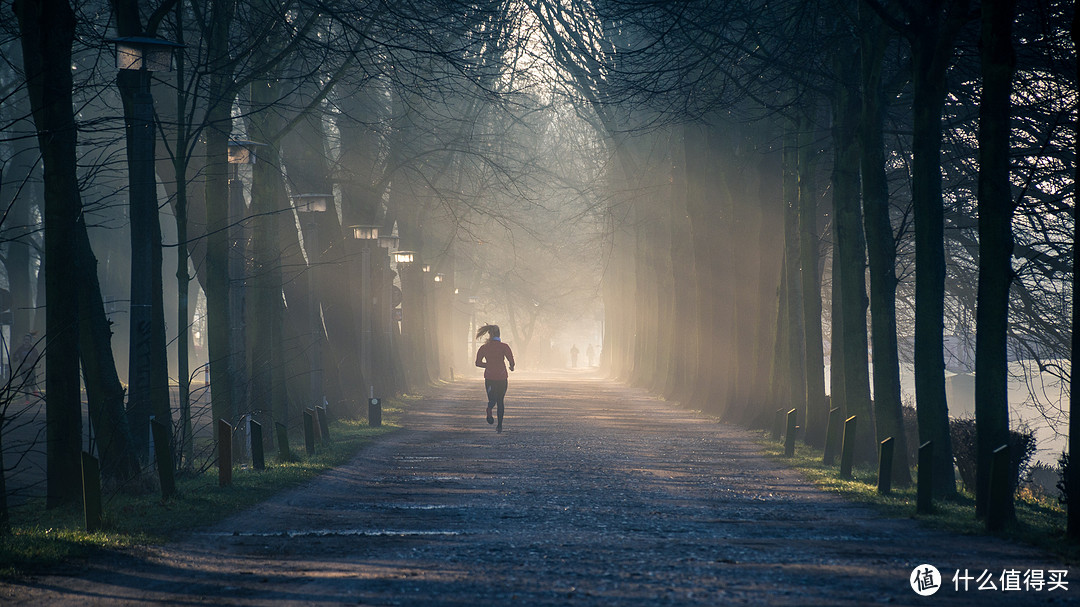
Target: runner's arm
{"x": 510, "y": 357}
{"x": 480, "y": 359}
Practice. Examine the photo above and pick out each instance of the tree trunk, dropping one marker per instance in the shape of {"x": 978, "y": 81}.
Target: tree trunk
{"x": 850, "y": 250}
{"x": 796, "y": 356}
{"x": 1072, "y": 482}
{"x": 104, "y": 392}
{"x": 48, "y": 30}
{"x": 266, "y": 317}
{"x": 928, "y": 100}
{"x": 217, "y": 133}
{"x": 817, "y": 409}
{"x": 995, "y": 246}
{"x": 881, "y": 249}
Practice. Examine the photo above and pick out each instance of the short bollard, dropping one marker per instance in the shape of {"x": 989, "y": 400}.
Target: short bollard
{"x": 258, "y": 460}
{"x": 224, "y": 453}
{"x": 999, "y": 505}
{"x": 885, "y": 460}
{"x": 374, "y": 412}
{"x": 789, "y": 438}
{"x": 324, "y": 424}
{"x": 832, "y": 437}
{"x": 778, "y": 425}
{"x": 163, "y": 454}
{"x": 282, "y": 441}
{"x": 91, "y": 483}
{"x": 309, "y": 431}
{"x": 924, "y": 501}
{"x": 847, "y": 448}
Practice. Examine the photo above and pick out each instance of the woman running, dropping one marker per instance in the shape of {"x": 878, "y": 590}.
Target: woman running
{"x": 491, "y": 357}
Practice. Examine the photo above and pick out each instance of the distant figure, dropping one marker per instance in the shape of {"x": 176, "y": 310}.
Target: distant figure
{"x": 589, "y": 354}
{"x": 492, "y": 357}
{"x": 24, "y": 361}
{"x": 573, "y": 356}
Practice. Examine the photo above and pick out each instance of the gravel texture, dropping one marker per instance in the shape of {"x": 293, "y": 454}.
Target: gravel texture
{"x": 594, "y": 494}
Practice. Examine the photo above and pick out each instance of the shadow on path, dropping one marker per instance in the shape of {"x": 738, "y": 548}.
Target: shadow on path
{"x": 595, "y": 494}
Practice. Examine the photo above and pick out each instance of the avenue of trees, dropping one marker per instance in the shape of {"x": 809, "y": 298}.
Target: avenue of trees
{"x": 757, "y": 192}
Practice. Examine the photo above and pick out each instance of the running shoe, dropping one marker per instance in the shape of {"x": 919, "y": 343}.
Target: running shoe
{"x": 491, "y": 419}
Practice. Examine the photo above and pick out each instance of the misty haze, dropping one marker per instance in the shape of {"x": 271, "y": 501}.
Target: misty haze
{"x": 546, "y": 302}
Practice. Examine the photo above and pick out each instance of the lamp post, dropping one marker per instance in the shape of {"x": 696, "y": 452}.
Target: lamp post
{"x": 384, "y": 311}
{"x": 473, "y": 300}
{"x": 137, "y": 57}
{"x": 240, "y": 153}
{"x": 408, "y": 314}
{"x": 366, "y": 235}
{"x": 309, "y": 207}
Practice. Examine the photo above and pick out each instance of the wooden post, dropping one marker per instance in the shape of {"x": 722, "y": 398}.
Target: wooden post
{"x": 925, "y": 500}
{"x": 885, "y": 460}
{"x": 997, "y": 508}
{"x": 778, "y": 425}
{"x": 309, "y": 431}
{"x": 374, "y": 412}
{"x": 224, "y": 453}
{"x": 789, "y": 437}
{"x": 832, "y": 437}
{"x": 163, "y": 454}
{"x": 324, "y": 424}
{"x": 282, "y": 441}
{"x": 258, "y": 461}
{"x": 91, "y": 480}
{"x": 847, "y": 448}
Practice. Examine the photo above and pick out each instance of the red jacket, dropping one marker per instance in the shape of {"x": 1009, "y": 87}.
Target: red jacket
{"x": 490, "y": 356}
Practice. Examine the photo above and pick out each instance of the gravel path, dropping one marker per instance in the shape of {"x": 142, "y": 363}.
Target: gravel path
{"x": 595, "y": 494}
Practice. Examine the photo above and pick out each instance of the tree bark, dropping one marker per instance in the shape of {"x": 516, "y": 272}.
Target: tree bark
{"x": 881, "y": 248}
{"x": 1072, "y": 528}
{"x": 996, "y": 209}
{"x": 817, "y": 408}
{"x": 48, "y": 31}
{"x": 928, "y": 98}
{"x": 796, "y": 356}
{"x": 217, "y": 133}
{"x": 850, "y": 250}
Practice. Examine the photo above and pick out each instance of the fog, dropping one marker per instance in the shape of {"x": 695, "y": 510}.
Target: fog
{"x": 713, "y": 200}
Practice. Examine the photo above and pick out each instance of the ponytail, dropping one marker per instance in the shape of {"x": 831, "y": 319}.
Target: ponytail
{"x": 491, "y": 330}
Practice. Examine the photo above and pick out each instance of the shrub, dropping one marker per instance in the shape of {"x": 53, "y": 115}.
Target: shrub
{"x": 1021, "y": 450}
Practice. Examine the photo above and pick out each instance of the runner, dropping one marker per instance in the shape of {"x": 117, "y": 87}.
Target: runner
{"x": 491, "y": 357}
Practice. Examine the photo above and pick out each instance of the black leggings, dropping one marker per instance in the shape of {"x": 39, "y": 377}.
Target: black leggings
{"x": 496, "y": 391}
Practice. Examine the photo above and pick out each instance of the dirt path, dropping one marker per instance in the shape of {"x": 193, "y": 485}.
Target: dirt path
{"x": 595, "y": 494}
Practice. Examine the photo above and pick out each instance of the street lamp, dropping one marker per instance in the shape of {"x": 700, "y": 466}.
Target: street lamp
{"x": 309, "y": 206}
{"x": 425, "y": 268}
{"x": 388, "y": 242}
{"x": 143, "y": 53}
{"x": 312, "y": 203}
{"x": 137, "y": 57}
{"x": 438, "y": 277}
{"x": 240, "y": 152}
{"x": 366, "y": 234}
{"x": 404, "y": 256}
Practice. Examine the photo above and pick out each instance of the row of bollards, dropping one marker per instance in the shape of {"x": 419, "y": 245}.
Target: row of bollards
{"x": 316, "y": 427}
{"x": 843, "y": 441}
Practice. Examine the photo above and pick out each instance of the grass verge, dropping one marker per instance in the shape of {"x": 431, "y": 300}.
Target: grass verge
{"x": 1040, "y": 521}
{"x": 42, "y": 538}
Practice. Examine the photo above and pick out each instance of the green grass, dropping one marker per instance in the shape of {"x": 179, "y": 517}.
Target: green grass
{"x": 1040, "y": 520}
{"x": 42, "y": 538}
